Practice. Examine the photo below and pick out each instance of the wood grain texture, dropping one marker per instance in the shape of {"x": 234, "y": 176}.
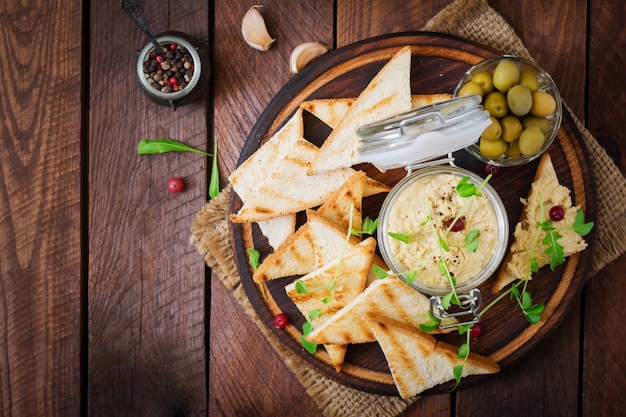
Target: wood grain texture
{"x": 145, "y": 290}
{"x": 40, "y": 270}
{"x": 245, "y": 80}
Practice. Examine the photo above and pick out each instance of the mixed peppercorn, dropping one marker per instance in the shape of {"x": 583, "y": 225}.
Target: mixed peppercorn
{"x": 171, "y": 71}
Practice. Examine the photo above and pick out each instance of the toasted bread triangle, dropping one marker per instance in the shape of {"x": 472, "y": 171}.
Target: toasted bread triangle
{"x": 547, "y": 189}
{"x": 315, "y": 243}
{"x": 247, "y": 178}
{"x": 388, "y": 297}
{"x": 349, "y": 274}
{"x": 332, "y": 111}
{"x": 418, "y": 361}
{"x": 345, "y": 206}
{"x": 388, "y": 93}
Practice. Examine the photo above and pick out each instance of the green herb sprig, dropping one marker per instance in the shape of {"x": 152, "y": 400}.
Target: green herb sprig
{"x": 253, "y": 258}
{"x": 159, "y": 146}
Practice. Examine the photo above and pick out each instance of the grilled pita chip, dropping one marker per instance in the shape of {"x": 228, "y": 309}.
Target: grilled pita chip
{"x": 546, "y": 188}
{"x": 345, "y": 206}
{"x": 347, "y": 276}
{"x": 295, "y": 256}
{"x": 278, "y": 229}
{"x": 315, "y": 243}
{"x": 388, "y": 93}
{"x": 290, "y": 188}
{"x": 331, "y": 111}
{"x": 387, "y": 297}
{"x": 418, "y": 361}
{"x": 247, "y": 178}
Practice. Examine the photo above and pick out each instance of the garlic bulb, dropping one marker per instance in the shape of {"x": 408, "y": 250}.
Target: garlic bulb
{"x": 254, "y": 30}
{"x": 304, "y": 53}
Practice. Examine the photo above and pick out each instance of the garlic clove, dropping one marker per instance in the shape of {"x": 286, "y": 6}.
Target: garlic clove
{"x": 254, "y": 30}
{"x": 304, "y": 53}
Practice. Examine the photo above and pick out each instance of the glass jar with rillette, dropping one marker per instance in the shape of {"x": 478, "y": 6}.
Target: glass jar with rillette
{"x": 442, "y": 229}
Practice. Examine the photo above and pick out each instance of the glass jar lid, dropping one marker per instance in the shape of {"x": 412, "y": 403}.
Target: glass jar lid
{"x": 423, "y": 134}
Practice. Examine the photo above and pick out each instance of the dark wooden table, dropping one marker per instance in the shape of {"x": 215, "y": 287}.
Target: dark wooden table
{"x": 107, "y": 309}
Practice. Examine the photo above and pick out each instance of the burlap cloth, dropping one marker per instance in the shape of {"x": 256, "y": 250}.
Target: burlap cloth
{"x": 476, "y": 21}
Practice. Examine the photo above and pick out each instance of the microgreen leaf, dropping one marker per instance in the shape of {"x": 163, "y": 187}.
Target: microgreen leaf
{"x": 527, "y": 300}
{"x": 457, "y": 371}
{"x": 431, "y": 325}
{"x": 580, "y": 226}
{"x": 443, "y": 244}
{"x": 379, "y": 272}
{"x": 301, "y": 287}
{"x": 214, "y": 181}
{"x": 314, "y": 314}
{"x": 327, "y": 300}
{"x": 534, "y": 265}
{"x": 536, "y": 309}
{"x": 464, "y": 328}
{"x": 369, "y": 226}
{"x": 471, "y": 240}
{"x": 446, "y": 301}
{"x": 253, "y": 257}
{"x": 307, "y": 328}
{"x": 410, "y": 277}
{"x": 464, "y": 350}
{"x": 156, "y": 146}
{"x": 533, "y": 318}
{"x": 465, "y": 188}
{"x": 399, "y": 236}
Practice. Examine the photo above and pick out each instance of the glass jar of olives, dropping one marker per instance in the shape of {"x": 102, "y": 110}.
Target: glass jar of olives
{"x": 524, "y": 106}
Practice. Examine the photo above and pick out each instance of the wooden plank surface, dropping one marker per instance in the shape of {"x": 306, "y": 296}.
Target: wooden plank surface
{"x": 40, "y": 208}
{"x": 145, "y": 291}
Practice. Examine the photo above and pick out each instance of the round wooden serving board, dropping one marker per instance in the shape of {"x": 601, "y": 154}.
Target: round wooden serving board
{"x": 437, "y": 65}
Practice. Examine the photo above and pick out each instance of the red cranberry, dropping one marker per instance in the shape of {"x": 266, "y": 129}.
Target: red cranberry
{"x": 557, "y": 213}
{"x": 475, "y": 331}
{"x": 281, "y": 320}
{"x": 175, "y": 185}
{"x": 494, "y": 170}
{"x": 459, "y": 224}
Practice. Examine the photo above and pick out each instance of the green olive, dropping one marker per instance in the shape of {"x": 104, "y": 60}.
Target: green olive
{"x": 531, "y": 140}
{"x": 528, "y": 79}
{"x": 495, "y": 104}
{"x": 471, "y": 88}
{"x": 513, "y": 149}
{"x": 485, "y": 80}
{"x": 519, "y": 99}
{"x": 506, "y": 75}
{"x": 493, "y": 131}
{"x": 511, "y": 128}
{"x": 493, "y": 148}
{"x": 543, "y": 104}
{"x": 541, "y": 122}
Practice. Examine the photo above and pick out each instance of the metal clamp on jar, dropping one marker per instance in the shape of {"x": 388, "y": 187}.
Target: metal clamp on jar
{"x": 442, "y": 229}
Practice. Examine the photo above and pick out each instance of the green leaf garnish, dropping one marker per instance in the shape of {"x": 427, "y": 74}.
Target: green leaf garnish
{"x": 253, "y": 257}
{"x": 431, "y": 325}
{"x": 307, "y": 328}
{"x": 471, "y": 240}
{"x": 464, "y": 350}
{"x": 214, "y": 181}
{"x": 410, "y": 277}
{"x": 457, "y": 371}
{"x": 314, "y": 314}
{"x": 465, "y": 188}
{"x": 379, "y": 272}
{"x": 369, "y": 226}
{"x": 327, "y": 300}
{"x": 399, "y": 236}
{"x": 301, "y": 287}
{"x": 156, "y": 146}
{"x": 580, "y": 226}
{"x": 527, "y": 300}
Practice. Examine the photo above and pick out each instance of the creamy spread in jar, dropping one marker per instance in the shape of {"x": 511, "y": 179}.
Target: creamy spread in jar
{"x": 419, "y": 216}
